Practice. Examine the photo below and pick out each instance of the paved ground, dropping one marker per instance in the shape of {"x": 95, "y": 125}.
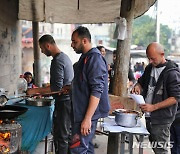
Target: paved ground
{"x": 102, "y": 141}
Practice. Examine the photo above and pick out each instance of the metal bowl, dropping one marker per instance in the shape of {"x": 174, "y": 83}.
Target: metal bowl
{"x": 39, "y": 101}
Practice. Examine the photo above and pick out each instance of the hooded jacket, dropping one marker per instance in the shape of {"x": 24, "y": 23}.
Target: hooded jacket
{"x": 90, "y": 78}
{"x": 168, "y": 85}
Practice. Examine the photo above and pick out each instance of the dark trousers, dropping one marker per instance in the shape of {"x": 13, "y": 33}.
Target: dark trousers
{"x": 61, "y": 126}
{"x": 86, "y": 146}
{"x": 175, "y": 137}
{"x": 159, "y": 136}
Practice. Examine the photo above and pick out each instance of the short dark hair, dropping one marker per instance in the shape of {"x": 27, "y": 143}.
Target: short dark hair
{"x": 99, "y": 47}
{"x": 27, "y": 73}
{"x": 47, "y": 39}
{"x": 114, "y": 52}
{"x": 83, "y": 32}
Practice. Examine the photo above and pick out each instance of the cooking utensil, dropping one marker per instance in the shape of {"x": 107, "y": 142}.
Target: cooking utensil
{"x": 64, "y": 90}
{"x": 39, "y": 101}
{"x": 11, "y": 111}
{"x": 4, "y": 99}
{"x": 126, "y": 118}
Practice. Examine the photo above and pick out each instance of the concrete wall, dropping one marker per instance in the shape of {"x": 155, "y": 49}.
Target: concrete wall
{"x": 10, "y": 45}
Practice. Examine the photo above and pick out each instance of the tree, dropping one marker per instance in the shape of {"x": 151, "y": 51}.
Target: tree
{"x": 144, "y": 32}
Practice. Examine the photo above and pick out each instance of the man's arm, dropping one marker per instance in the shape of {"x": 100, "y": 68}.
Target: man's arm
{"x": 86, "y": 123}
{"x": 40, "y": 90}
{"x": 153, "y": 107}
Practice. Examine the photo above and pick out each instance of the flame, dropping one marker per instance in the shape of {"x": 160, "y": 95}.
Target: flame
{"x": 5, "y": 142}
{"x": 5, "y": 136}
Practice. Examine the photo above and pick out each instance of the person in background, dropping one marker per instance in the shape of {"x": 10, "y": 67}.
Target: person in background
{"x": 175, "y": 134}
{"x": 160, "y": 87}
{"x": 61, "y": 76}
{"x": 89, "y": 92}
{"x": 102, "y": 50}
{"x": 131, "y": 78}
{"x": 30, "y": 81}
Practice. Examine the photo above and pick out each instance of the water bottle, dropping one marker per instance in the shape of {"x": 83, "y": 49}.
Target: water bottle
{"x": 21, "y": 85}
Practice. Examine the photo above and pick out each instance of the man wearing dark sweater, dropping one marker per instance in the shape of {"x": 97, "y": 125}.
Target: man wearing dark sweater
{"x": 61, "y": 74}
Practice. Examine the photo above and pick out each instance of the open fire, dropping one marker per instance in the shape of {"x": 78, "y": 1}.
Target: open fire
{"x": 5, "y": 142}
{"x": 10, "y": 137}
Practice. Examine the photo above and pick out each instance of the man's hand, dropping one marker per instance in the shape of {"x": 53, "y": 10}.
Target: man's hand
{"x": 86, "y": 127}
{"x": 32, "y": 91}
{"x": 137, "y": 89}
{"x": 148, "y": 107}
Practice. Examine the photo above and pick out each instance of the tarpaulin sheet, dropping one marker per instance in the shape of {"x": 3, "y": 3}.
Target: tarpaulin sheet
{"x": 36, "y": 125}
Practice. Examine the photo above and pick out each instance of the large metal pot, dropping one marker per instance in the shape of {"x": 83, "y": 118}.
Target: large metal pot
{"x": 126, "y": 118}
{"x": 39, "y": 101}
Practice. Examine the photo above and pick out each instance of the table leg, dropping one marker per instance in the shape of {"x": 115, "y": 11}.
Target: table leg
{"x": 122, "y": 145}
{"x": 113, "y": 143}
{"x": 130, "y": 143}
{"x": 45, "y": 145}
{"x": 141, "y": 138}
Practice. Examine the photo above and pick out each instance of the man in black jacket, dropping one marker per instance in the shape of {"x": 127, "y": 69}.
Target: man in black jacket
{"x": 175, "y": 134}
{"x": 160, "y": 87}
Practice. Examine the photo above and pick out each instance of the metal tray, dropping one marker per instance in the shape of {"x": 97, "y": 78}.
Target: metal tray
{"x": 39, "y": 101}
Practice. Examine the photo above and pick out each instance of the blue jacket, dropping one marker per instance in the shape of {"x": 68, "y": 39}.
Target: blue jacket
{"x": 90, "y": 78}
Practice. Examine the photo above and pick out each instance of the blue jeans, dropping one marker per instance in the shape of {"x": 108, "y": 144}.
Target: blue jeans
{"x": 86, "y": 146}
{"x": 175, "y": 138}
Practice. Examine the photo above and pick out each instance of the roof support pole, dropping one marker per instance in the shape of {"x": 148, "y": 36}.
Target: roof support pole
{"x": 121, "y": 70}
{"x": 37, "y": 61}
{"x": 123, "y": 50}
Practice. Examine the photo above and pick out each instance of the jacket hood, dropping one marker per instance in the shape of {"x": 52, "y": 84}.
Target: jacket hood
{"x": 92, "y": 50}
{"x": 170, "y": 65}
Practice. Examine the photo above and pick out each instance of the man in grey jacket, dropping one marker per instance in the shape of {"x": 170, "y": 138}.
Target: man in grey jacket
{"x": 160, "y": 87}
{"x": 61, "y": 74}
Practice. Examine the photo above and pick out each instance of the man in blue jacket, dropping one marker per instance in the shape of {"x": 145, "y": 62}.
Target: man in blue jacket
{"x": 89, "y": 91}
{"x": 160, "y": 87}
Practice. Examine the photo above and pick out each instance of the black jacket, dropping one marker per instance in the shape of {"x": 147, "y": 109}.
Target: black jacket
{"x": 168, "y": 85}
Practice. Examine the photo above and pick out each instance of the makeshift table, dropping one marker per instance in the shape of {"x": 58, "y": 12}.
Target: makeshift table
{"x": 110, "y": 126}
{"x": 36, "y": 124}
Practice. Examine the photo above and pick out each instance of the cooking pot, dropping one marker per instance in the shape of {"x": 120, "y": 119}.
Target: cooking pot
{"x": 126, "y": 118}
{"x": 11, "y": 111}
{"x": 39, "y": 101}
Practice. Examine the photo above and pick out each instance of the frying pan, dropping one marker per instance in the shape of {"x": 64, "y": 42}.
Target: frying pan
{"x": 11, "y": 111}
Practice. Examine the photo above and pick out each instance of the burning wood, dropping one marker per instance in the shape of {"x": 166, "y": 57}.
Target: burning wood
{"x": 5, "y": 142}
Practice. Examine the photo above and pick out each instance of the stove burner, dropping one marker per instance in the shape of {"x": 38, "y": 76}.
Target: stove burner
{"x": 6, "y": 121}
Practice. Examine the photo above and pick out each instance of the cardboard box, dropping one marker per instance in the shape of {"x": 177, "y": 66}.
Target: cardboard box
{"x": 119, "y": 102}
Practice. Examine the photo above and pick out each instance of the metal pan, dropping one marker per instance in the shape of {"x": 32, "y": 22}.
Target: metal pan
{"x": 39, "y": 101}
{"x": 11, "y": 111}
